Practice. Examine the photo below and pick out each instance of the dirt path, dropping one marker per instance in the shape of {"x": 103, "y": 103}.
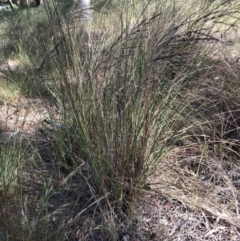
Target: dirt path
{"x": 23, "y": 115}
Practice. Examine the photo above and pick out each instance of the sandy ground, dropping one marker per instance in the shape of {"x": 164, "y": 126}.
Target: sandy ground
{"x": 24, "y": 115}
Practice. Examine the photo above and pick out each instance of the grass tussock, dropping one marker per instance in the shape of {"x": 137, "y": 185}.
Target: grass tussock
{"x": 142, "y": 98}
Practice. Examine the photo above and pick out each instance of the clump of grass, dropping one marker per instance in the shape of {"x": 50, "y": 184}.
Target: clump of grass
{"x": 128, "y": 98}
{"x": 127, "y": 108}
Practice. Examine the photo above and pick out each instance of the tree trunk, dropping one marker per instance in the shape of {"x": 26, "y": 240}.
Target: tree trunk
{"x": 39, "y": 2}
{"x": 10, "y": 3}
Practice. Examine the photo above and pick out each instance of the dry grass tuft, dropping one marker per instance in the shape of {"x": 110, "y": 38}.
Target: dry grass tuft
{"x": 141, "y": 136}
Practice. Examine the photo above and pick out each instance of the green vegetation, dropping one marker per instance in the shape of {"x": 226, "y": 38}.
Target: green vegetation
{"x": 141, "y": 99}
